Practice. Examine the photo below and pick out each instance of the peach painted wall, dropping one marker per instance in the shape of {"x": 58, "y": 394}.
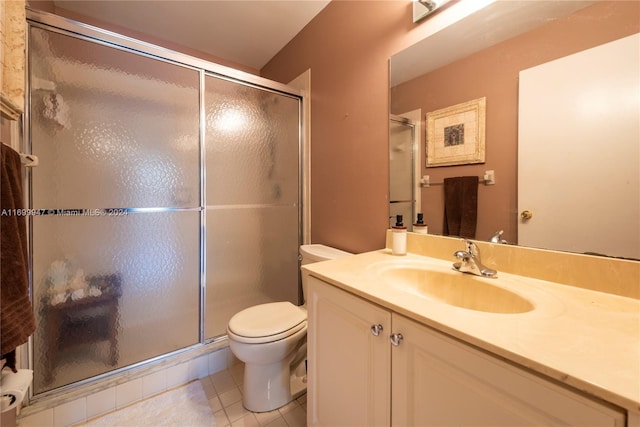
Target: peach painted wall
{"x": 347, "y": 46}
{"x": 493, "y": 73}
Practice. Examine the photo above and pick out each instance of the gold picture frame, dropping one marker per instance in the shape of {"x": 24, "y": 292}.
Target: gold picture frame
{"x": 456, "y": 134}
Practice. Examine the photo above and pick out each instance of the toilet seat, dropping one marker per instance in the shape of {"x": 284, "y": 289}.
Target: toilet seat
{"x": 267, "y": 322}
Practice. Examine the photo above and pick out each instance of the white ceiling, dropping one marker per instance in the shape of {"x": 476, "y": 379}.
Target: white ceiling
{"x": 247, "y": 32}
{"x": 491, "y": 24}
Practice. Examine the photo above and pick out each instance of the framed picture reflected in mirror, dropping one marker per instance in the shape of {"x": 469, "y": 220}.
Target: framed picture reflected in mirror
{"x": 456, "y": 134}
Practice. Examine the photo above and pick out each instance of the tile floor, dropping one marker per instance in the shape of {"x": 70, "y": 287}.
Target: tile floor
{"x": 224, "y": 391}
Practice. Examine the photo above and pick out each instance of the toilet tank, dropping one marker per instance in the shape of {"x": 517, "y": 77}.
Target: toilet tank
{"x": 315, "y": 253}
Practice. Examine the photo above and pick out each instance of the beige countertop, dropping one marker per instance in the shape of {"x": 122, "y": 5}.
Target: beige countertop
{"x": 587, "y": 339}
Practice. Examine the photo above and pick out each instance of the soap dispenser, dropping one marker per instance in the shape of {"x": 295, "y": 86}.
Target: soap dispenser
{"x": 399, "y": 237}
{"x": 420, "y": 227}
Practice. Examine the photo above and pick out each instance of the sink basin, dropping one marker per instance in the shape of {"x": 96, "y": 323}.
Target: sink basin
{"x": 457, "y": 289}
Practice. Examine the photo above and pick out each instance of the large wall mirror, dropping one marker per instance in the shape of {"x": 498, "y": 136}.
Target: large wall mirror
{"x": 502, "y": 53}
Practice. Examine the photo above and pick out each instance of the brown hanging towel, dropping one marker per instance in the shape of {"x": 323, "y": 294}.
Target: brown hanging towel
{"x": 16, "y": 315}
{"x": 461, "y": 206}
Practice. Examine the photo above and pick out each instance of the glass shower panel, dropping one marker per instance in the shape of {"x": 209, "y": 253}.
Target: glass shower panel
{"x": 113, "y": 130}
{"x": 252, "y": 199}
{"x": 252, "y": 258}
{"x": 111, "y": 291}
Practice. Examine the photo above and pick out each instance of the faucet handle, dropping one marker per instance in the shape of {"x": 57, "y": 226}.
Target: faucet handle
{"x": 497, "y": 237}
{"x": 472, "y": 248}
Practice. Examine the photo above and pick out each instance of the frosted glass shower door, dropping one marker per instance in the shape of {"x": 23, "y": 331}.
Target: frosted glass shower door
{"x": 116, "y": 243}
{"x": 252, "y": 199}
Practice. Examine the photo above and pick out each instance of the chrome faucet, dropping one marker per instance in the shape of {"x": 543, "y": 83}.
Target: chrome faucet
{"x": 470, "y": 262}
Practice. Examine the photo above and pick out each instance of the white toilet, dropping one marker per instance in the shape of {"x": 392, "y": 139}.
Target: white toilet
{"x": 271, "y": 340}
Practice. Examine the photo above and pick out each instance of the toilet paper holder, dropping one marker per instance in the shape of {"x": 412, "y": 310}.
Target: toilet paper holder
{"x": 14, "y": 387}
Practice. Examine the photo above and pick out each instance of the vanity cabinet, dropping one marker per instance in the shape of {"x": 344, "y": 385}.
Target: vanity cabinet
{"x": 369, "y": 366}
{"x": 349, "y": 363}
{"x": 437, "y": 380}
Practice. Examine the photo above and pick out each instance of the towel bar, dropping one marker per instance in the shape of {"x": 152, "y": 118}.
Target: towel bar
{"x": 489, "y": 178}
{"x": 29, "y": 160}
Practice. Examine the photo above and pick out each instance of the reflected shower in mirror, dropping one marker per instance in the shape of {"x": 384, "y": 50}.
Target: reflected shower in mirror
{"x": 402, "y": 153}
{"x": 454, "y": 66}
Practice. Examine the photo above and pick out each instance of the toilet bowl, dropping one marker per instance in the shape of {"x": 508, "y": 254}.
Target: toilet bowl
{"x": 271, "y": 341}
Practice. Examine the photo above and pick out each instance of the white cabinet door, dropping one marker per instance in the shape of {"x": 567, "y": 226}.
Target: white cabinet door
{"x": 437, "y": 380}
{"x": 348, "y": 366}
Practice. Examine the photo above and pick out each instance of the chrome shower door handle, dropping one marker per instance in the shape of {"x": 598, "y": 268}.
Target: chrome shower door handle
{"x": 376, "y": 329}
{"x": 396, "y": 339}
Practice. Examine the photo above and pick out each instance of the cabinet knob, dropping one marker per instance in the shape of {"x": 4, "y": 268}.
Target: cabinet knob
{"x": 376, "y": 329}
{"x": 396, "y": 339}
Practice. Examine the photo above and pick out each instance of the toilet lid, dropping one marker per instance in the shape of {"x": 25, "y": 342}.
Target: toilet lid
{"x": 267, "y": 319}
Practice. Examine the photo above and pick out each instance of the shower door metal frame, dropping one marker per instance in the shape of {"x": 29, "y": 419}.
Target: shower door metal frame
{"x": 65, "y": 26}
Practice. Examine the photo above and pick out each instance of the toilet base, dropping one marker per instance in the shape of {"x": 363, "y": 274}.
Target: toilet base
{"x": 298, "y": 381}
{"x": 264, "y": 390}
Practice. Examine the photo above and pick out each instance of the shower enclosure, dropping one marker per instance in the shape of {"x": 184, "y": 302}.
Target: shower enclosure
{"x": 402, "y": 156}
{"x": 167, "y": 198}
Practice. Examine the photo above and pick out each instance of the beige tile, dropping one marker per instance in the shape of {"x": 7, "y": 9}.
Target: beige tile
{"x": 101, "y": 402}
{"x": 249, "y": 420}
{"x": 289, "y": 407}
{"x": 221, "y": 419}
{"x": 206, "y": 381}
{"x": 215, "y": 404}
{"x": 70, "y": 413}
{"x": 222, "y": 375}
{"x": 237, "y": 373}
{"x": 226, "y": 407}
{"x": 230, "y": 397}
{"x": 218, "y": 360}
{"x": 302, "y": 400}
{"x": 265, "y": 418}
{"x": 128, "y": 392}
{"x": 297, "y": 417}
{"x": 178, "y": 375}
{"x": 208, "y": 388}
{"x": 199, "y": 368}
{"x": 223, "y": 381}
{"x": 39, "y": 419}
{"x": 278, "y": 422}
{"x": 235, "y": 411}
{"x": 232, "y": 359}
{"x": 154, "y": 383}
